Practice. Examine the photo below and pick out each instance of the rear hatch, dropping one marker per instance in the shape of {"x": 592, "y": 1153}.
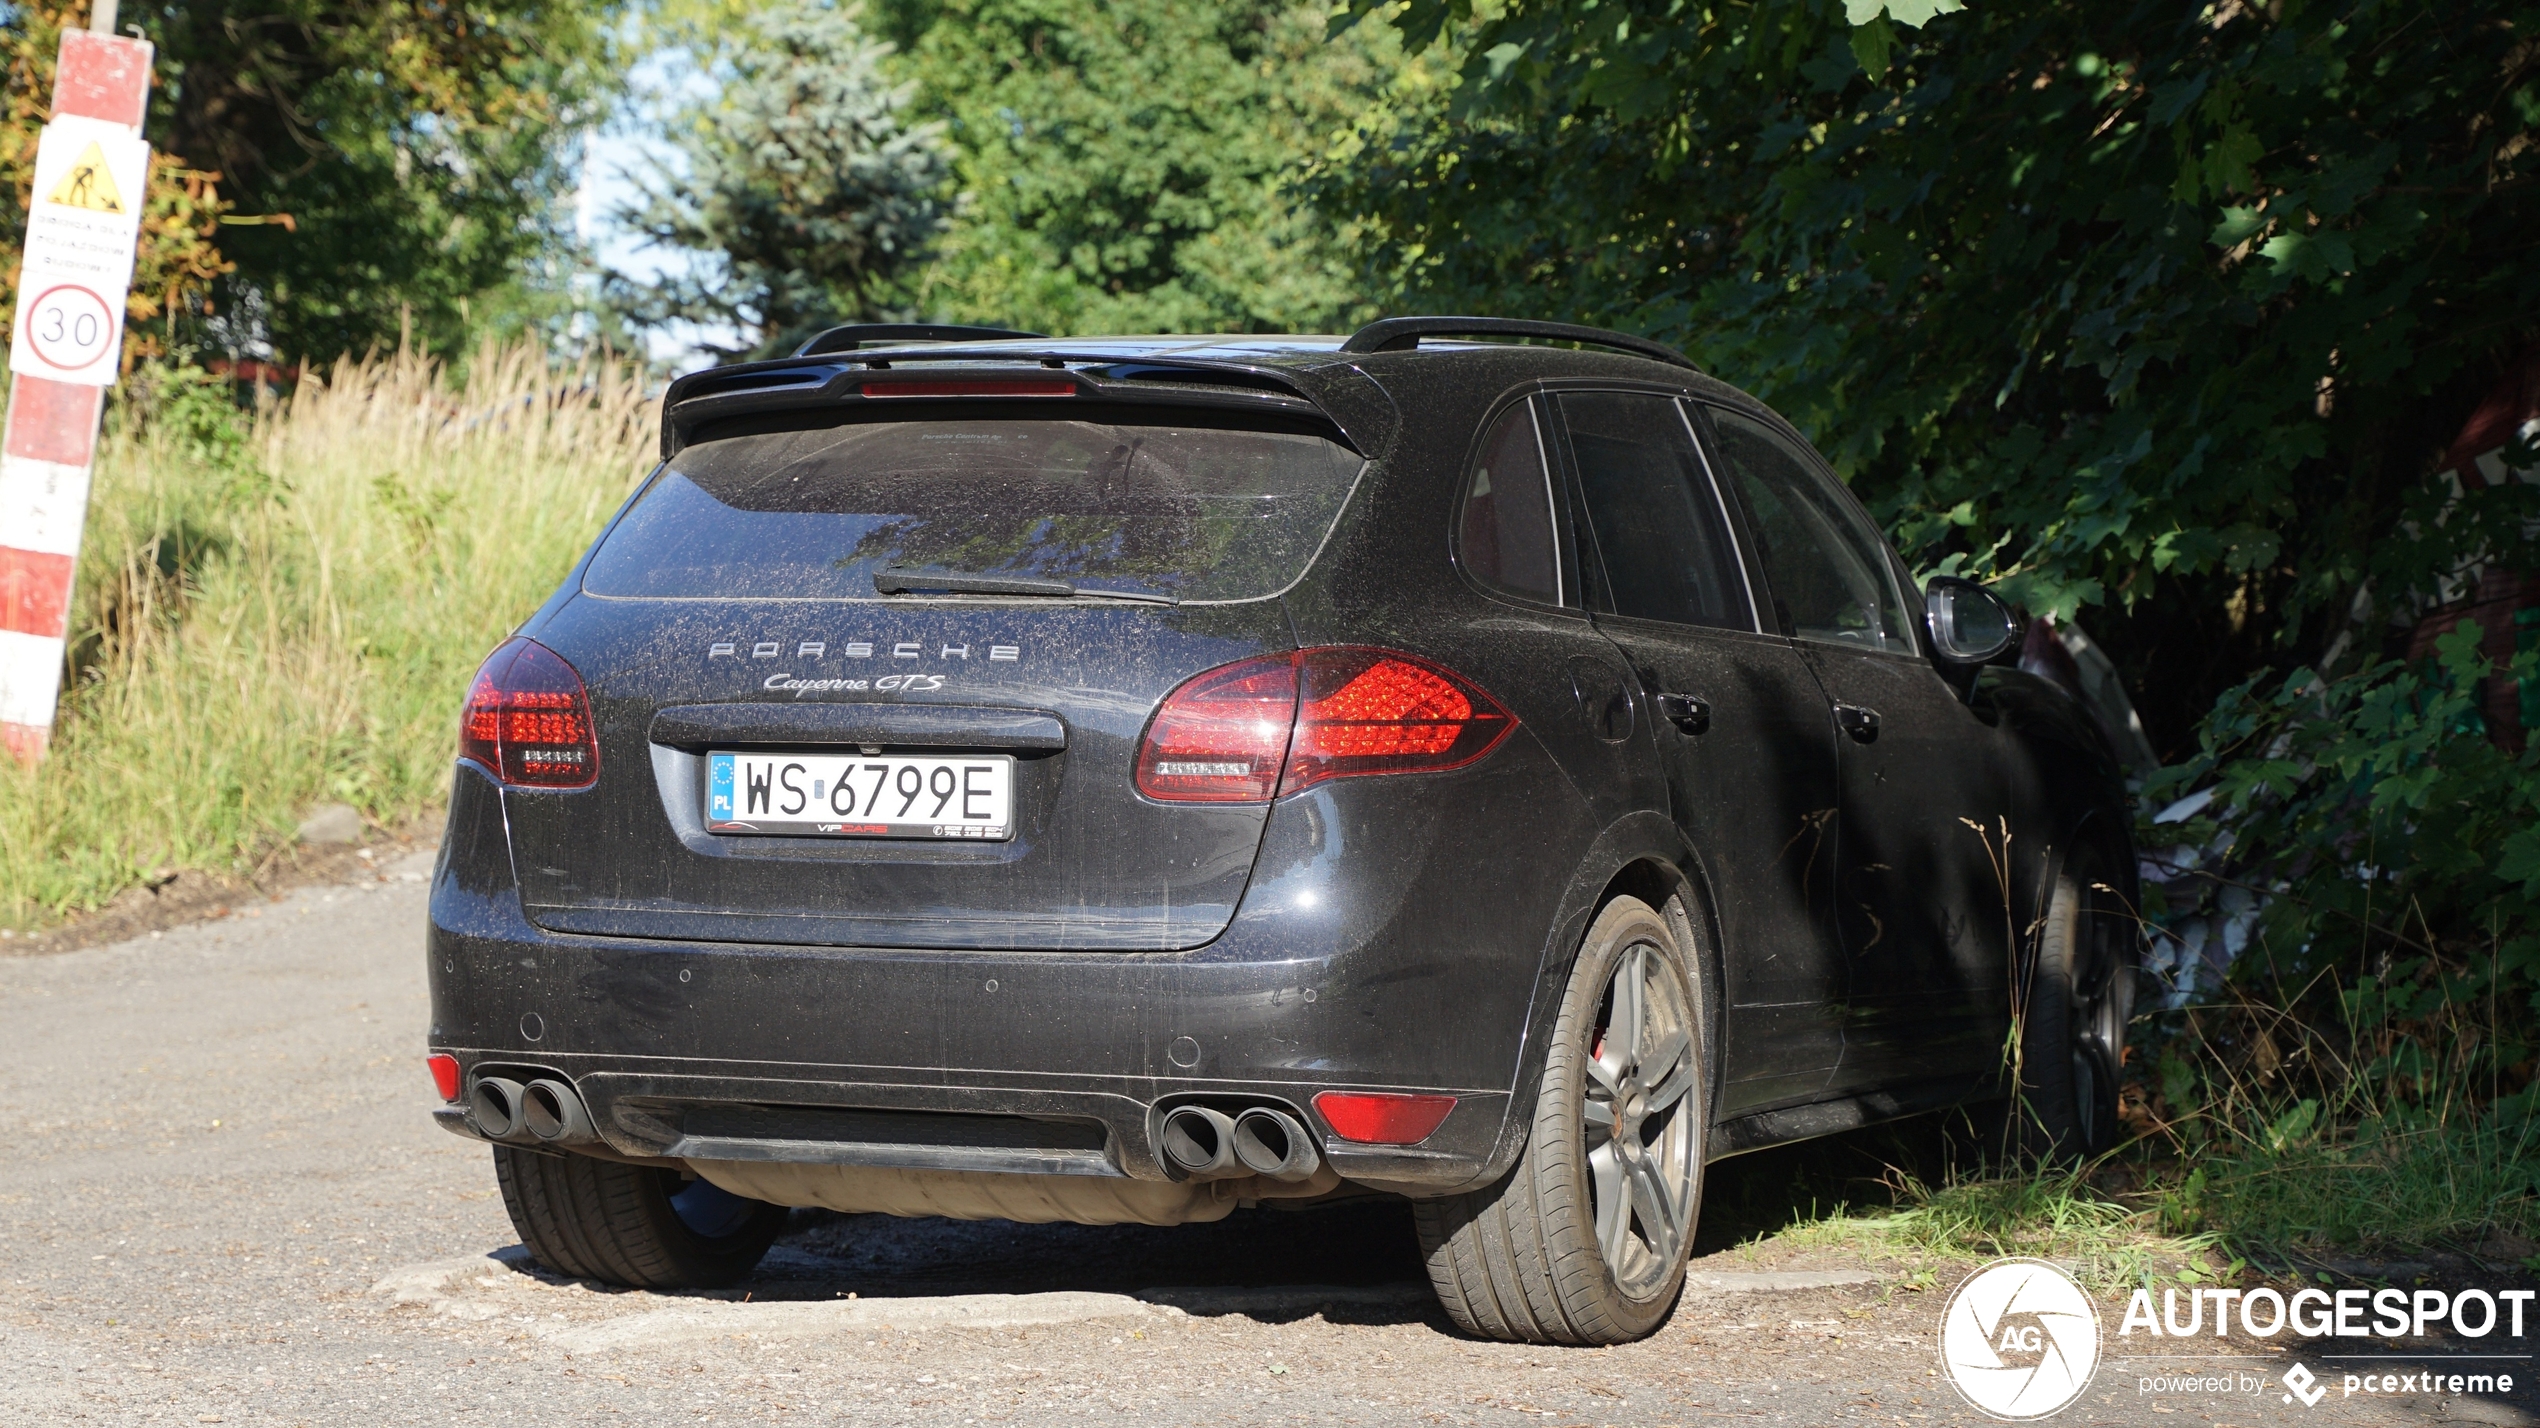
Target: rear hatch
{"x": 734, "y": 608}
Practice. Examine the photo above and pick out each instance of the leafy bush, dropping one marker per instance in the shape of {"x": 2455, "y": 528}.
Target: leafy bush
{"x": 2365, "y": 1073}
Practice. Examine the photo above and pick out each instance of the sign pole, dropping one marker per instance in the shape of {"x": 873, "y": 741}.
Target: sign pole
{"x": 65, "y": 348}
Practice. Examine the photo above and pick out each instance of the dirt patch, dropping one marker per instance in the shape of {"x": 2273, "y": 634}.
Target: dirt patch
{"x": 179, "y": 897}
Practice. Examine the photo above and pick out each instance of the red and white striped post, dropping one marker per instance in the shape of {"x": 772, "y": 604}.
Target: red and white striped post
{"x": 65, "y": 347}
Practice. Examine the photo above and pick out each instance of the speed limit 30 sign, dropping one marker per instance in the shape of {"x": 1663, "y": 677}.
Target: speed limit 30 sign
{"x": 90, "y": 175}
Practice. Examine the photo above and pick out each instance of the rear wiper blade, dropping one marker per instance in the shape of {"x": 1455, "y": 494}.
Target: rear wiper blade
{"x": 896, "y": 580}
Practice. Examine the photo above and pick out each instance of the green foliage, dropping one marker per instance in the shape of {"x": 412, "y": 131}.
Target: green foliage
{"x": 1126, "y": 164}
{"x": 804, "y": 190}
{"x": 2163, "y": 308}
{"x": 418, "y": 150}
{"x": 2394, "y": 841}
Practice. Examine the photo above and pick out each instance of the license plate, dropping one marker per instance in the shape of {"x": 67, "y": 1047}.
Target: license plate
{"x": 873, "y": 796}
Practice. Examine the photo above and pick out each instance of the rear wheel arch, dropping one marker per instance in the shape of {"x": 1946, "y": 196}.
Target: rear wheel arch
{"x": 1584, "y": 1239}
{"x": 1644, "y": 855}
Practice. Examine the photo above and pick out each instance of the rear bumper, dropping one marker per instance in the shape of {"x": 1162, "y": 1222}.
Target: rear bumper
{"x": 1369, "y": 993}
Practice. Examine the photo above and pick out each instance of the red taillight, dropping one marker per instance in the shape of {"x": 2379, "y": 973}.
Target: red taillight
{"x": 528, "y": 721}
{"x": 1241, "y": 733}
{"x": 1222, "y": 737}
{"x": 445, "y": 1075}
{"x": 1376, "y": 1118}
{"x": 1369, "y": 711}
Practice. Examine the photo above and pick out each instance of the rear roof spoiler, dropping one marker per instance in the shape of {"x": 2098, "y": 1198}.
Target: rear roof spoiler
{"x": 1402, "y": 334}
{"x": 837, "y": 379}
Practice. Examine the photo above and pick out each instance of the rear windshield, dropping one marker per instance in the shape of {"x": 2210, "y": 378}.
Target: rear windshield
{"x": 1198, "y": 513}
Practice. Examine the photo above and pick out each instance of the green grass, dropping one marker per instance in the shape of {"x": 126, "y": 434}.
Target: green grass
{"x": 2051, "y": 1214}
{"x": 2278, "y": 1191}
{"x": 2380, "y": 1187}
{"x": 284, "y": 609}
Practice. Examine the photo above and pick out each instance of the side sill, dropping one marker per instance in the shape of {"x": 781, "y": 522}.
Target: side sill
{"x": 1820, "y": 1118}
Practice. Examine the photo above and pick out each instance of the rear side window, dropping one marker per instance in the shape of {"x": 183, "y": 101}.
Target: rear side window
{"x": 1505, "y": 535}
{"x": 1191, "y": 511}
{"x": 1659, "y": 526}
{"x": 1831, "y": 577}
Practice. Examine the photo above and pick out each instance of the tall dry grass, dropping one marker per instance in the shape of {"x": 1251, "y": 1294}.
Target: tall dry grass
{"x": 283, "y": 607}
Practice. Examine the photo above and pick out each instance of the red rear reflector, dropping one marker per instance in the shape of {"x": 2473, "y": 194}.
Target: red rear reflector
{"x": 1374, "y": 1118}
{"x": 528, "y": 722}
{"x": 1241, "y": 734}
{"x": 445, "y": 1075}
{"x": 1221, "y": 737}
{"x": 1045, "y": 388}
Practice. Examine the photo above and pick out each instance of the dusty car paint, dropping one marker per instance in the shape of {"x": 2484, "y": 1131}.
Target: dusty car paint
{"x": 1399, "y": 933}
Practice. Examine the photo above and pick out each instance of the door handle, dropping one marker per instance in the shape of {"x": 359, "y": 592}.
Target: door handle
{"x": 1685, "y": 711}
{"x": 1862, "y": 724}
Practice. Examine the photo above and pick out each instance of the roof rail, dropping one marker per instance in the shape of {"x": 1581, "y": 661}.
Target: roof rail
{"x": 1401, "y": 334}
{"x": 856, "y": 334}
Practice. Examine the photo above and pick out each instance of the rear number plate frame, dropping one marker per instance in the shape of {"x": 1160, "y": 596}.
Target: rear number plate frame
{"x": 933, "y": 797}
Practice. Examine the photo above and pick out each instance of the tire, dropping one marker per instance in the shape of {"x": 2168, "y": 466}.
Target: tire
{"x": 635, "y": 1225}
{"x": 1524, "y": 1261}
{"x": 2073, "y": 1028}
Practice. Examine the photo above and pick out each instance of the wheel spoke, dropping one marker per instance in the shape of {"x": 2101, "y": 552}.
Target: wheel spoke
{"x": 1661, "y": 1062}
{"x": 1658, "y": 1211}
{"x": 1631, "y": 997}
{"x": 1613, "y": 1200}
{"x": 1673, "y": 1089}
{"x": 1599, "y": 1114}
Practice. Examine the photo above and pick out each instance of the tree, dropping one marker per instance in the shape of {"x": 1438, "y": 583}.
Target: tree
{"x": 806, "y": 194}
{"x": 1127, "y": 164}
{"x": 2161, "y": 312}
{"x": 390, "y": 161}
{"x": 2156, "y": 310}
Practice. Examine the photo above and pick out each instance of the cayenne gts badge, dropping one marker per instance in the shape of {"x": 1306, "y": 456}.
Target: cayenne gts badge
{"x": 861, "y": 649}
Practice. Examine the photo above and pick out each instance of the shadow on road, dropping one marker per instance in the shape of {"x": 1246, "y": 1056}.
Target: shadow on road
{"x": 1363, "y": 1245}
{"x": 1357, "y": 1244}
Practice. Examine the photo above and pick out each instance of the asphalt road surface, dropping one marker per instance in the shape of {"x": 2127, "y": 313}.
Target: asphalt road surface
{"x": 225, "y": 1203}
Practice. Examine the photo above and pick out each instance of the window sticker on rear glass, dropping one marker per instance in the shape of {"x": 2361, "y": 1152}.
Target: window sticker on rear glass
{"x": 1192, "y": 513}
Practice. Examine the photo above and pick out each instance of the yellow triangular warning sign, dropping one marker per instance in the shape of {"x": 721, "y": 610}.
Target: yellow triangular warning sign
{"x": 89, "y": 184}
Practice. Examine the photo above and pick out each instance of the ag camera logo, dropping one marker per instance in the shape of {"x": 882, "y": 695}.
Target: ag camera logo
{"x": 2019, "y": 1339}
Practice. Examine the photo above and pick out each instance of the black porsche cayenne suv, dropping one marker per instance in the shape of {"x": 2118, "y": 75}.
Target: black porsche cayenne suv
{"x": 1122, "y": 780}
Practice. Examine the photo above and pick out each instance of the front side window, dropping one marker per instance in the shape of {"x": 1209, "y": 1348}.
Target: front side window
{"x": 1504, "y": 536}
{"x": 1659, "y": 526}
{"x": 1831, "y": 578}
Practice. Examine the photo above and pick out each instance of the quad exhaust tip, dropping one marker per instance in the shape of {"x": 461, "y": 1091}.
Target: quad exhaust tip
{"x": 554, "y": 1113}
{"x": 1273, "y": 1143}
{"x": 547, "y": 1111}
{"x": 494, "y": 1103}
{"x": 1204, "y": 1143}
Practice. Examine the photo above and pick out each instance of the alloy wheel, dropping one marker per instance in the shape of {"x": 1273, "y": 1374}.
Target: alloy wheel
{"x": 1644, "y": 1135}
{"x": 2102, "y": 1004}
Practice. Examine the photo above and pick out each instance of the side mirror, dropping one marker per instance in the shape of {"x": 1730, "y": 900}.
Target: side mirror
{"x": 1969, "y": 624}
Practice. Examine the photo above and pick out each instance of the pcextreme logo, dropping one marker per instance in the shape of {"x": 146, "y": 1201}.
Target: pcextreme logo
{"x": 2019, "y": 1340}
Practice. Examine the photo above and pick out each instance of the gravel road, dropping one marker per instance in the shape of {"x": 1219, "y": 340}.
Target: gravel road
{"x": 228, "y": 1205}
